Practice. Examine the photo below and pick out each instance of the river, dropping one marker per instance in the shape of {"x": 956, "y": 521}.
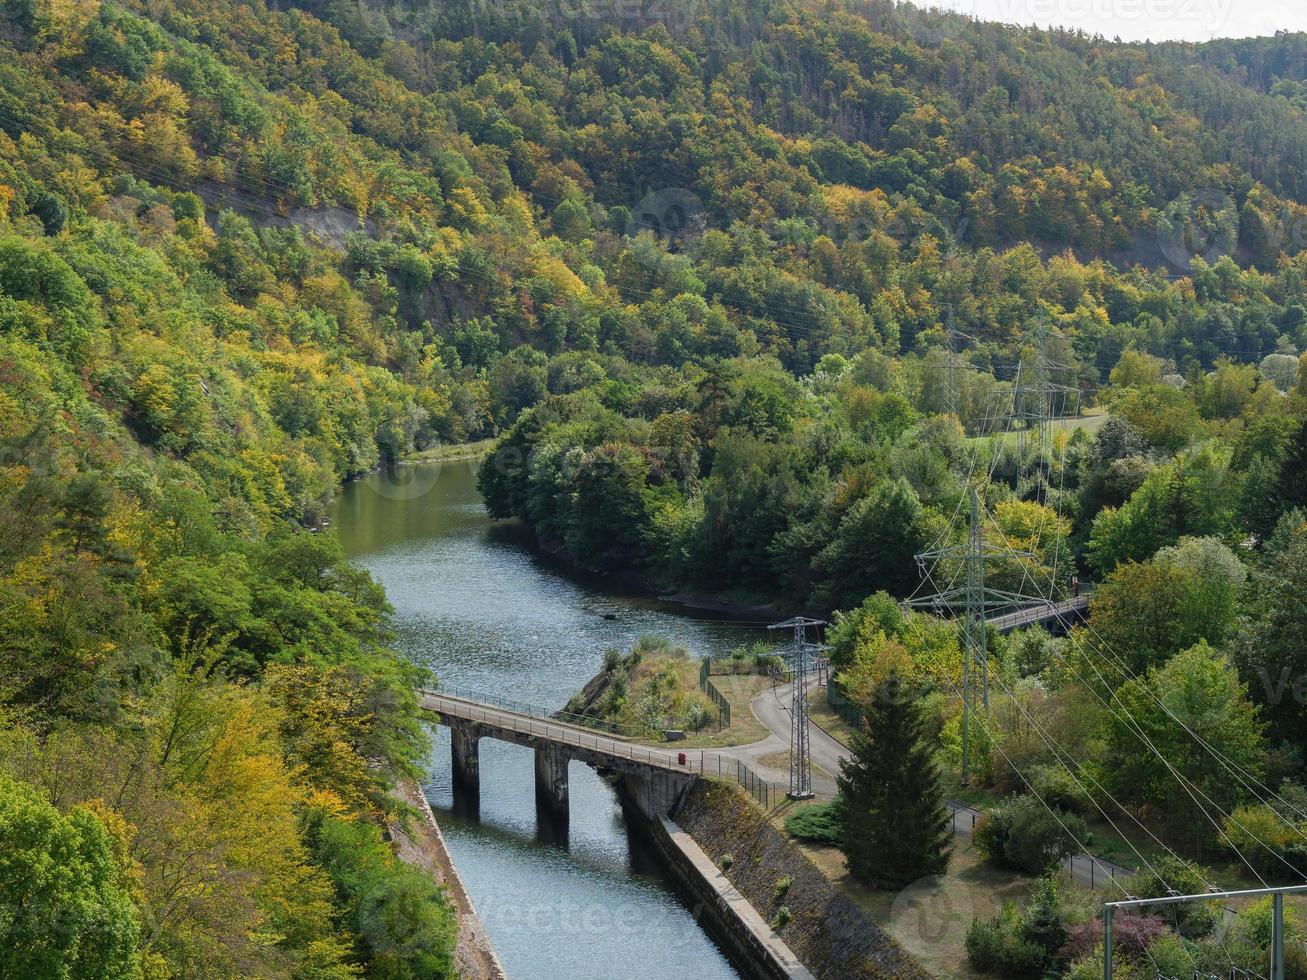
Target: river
{"x": 475, "y": 604}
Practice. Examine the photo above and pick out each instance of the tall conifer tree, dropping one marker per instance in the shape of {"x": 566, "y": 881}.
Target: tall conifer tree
{"x": 895, "y": 823}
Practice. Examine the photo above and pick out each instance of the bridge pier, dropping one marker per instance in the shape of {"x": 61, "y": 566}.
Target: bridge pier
{"x": 552, "y": 809}
{"x": 465, "y": 750}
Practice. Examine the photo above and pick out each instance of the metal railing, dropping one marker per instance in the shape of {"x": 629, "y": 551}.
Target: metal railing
{"x": 465, "y": 708}
{"x": 849, "y": 712}
{"x": 764, "y": 792}
{"x": 499, "y": 713}
{"x": 535, "y": 711}
{"x": 709, "y": 688}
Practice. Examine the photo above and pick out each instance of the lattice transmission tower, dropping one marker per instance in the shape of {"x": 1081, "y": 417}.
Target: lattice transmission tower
{"x": 1036, "y": 401}
{"x": 801, "y": 651}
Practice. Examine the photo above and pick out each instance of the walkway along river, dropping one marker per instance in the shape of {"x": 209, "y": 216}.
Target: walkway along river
{"x": 477, "y": 606}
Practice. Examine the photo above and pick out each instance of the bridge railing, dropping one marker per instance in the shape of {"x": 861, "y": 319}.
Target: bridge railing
{"x": 478, "y": 707}
{"x": 535, "y": 711}
{"x": 572, "y": 718}
{"x": 537, "y": 725}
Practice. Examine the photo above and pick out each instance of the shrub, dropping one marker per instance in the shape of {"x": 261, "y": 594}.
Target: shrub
{"x": 1269, "y": 839}
{"x": 1132, "y": 935}
{"x": 782, "y": 916}
{"x": 403, "y": 916}
{"x": 1056, "y": 788}
{"x": 1191, "y": 919}
{"x": 727, "y": 861}
{"x": 781, "y": 888}
{"x": 817, "y": 823}
{"x": 1029, "y": 943}
{"x": 1024, "y": 835}
{"x": 998, "y": 947}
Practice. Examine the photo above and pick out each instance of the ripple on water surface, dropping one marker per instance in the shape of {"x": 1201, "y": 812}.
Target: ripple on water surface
{"x": 476, "y": 606}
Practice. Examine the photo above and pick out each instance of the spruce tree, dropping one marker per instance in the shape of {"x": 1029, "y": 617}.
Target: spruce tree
{"x": 895, "y": 823}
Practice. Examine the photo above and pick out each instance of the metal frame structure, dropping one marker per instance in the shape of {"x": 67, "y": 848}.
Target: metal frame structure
{"x": 800, "y": 751}
{"x": 1277, "y": 919}
{"x": 976, "y": 601}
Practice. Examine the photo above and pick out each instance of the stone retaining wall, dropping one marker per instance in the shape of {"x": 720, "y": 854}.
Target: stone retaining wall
{"x": 751, "y": 943}
{"x": 830, "y": 934}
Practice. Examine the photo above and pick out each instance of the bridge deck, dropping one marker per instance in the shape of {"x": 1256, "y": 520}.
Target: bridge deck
{"x": 1068, "y": 609}
{"x": 560, "y": 733}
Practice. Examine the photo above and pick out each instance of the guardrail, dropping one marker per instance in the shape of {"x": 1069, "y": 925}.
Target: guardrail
{"x": 694, "y": 761}
{"x": 470, "y": 709}
{"x": 535, "y": 711}
{"x": 767, "y": 793}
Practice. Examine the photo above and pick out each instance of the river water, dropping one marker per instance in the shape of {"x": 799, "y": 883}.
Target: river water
{"x": 477, "y": 606}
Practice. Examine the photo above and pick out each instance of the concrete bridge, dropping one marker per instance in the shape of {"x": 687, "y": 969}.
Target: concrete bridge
{"x": 656, "y": 780}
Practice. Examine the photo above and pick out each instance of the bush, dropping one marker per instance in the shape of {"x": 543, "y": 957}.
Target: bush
{"x": 1024, "y": 835}
{"x": 998, "y": 947}
{"x": 1269, "y": 839}
{"x": 1029, "y": 943}
{"x": 1132, "y": 935}
{"x": 1191, "y": 919}
{"x": 1056, "y": 788}
{"x": 817, "y": 823}
{"x": 404, "y": 918}
{"x": 781, "y": 888}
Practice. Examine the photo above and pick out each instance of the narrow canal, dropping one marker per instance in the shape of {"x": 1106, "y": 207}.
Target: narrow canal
{"x": 477, "y": 606}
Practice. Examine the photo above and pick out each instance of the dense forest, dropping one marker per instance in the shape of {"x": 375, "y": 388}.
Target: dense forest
{"x": 737, "y": 287}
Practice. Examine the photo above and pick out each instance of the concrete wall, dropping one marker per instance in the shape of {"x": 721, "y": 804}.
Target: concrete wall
{"x": 751, "y": 943}
{"x": 832, "y": 936}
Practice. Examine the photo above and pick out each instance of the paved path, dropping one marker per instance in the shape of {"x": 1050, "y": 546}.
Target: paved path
{"x": 772, "y": 708}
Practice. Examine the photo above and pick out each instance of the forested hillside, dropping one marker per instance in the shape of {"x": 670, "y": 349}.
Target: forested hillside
{"x": 697, "y": 262}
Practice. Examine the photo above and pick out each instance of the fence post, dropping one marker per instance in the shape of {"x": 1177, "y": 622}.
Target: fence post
{"x": 1277, "y": 936}
{"x": 1107, "y": 942}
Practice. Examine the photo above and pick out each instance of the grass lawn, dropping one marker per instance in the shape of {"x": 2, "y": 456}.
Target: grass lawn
{"x": 739, "y": 690}
{"x": 1091, "y": 420}
{"x": 930, "y": 918}
{"x": 825, "y": 718}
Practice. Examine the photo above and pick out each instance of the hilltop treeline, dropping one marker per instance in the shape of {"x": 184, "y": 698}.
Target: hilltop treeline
{"x": 696, "y": 262}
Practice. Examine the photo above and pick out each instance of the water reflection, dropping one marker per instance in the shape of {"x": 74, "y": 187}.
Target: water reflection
{"x": 474, "y": 604}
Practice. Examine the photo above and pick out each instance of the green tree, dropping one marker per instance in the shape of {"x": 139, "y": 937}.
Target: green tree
{"x": 403, "y": 917}
{"x": 1157, "y": 724}
{"x": 874, "y": 546}
{"x": 610, "y": 514}
{"x": 65, "y": 898}
{"x": 1269, "y": 647}
{"x": 896, "y": 825}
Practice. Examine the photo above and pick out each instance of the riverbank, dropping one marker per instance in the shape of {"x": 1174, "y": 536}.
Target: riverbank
{"x": 419, "y": 842}
{"x": 448, "y": 453}
{"x": 633, "y": 581}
